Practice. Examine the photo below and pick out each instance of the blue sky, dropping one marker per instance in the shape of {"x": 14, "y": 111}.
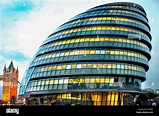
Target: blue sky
{"x": 25, "y": 24}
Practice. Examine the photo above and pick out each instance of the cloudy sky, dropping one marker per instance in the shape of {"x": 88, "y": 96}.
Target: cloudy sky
{"x": 25, "y": 24}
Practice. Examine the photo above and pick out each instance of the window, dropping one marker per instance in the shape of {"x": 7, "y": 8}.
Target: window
{"x": 105, "y": 65}
{"x": 107, "y": 51}
{"x": 92, "y": 52}
{"x": 77, "y": 40}
{"x": 65, "y": 81}
{"x": 55, "y": 81}
{"x": 84, "y": 66}
{"x": 97, "y": 51}
{"x": 122, "y": 66}
{"x": 89, "y": 65}
{"x": 109, "y": 65}
{"x": 51, "y": 81}
{"x": 100, "y": 66}
{"x": 102, "y": 52}
{"x": 72, "y": 41}
{"x": 63, "y": 66}
{"x": 61, "y": 81}
{"x": 66, "y": 53}
{"x": 68, "y": 67}
{"x": 58, "y": 67}
{"x": 78, "y": 65}
{"x": 94, "y": 66}
{"x": 73, "y": 66}
{"x": 76, "y": 52}
{"x": 47, "y": 82}
{"x": 118, "y": 65}
{"x": 113, "y": 65}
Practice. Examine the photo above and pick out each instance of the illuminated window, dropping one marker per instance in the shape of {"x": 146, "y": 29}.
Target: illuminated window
{"x": 113, "y": 28}
{"x": 60, "y": 81}
{"x": 104, "y": 28}
{"x": 76, "y": 52}
{"x": 100, "y": 66}
{"x": 58, "y": 54}
{"x": 62, "y": 54}
{"x": 77, "y": 40}
{"x": 78, "y": 65}
{"x": 94, "y": 66}
{"x": 97, "y": 51}
{"x": 105, "y": 65}
{"x": 97, "y": 80}
{"x": 56, "y": 81}
{"x": 81, "y": 80}
{"x": 107, "y": 80}
{"x": 92, "y": 39}
{"x": 59, "y": 67}
{"x": 108, "y": 28}
{"x": 75, "y": 30}
{"x": 107, "y": 51}
{"x": 47, "y": 82}
{"x": 122, "y": 66}
{"x": 42, "y": 82}
{"x": 97, "y": 39}
{"x": 73, "y": 66}
{"x": 66, "y": 53}
{"x": 82, "y": 40}
{"x": 87, "y": 39}
{"x": 68, "y": 67}
{"x": 109, "y": 18}
{"x": 65, "y": 81}
{"x": 89, "y": 65}
{"x": 109, "y": 66}
{"x": 92, "y": 52}
{"x": 121, "y": 52}
{"x": 68, "y": 41}
{"x": 63, "y": 66}
{"x": 102, "y": 80}
{"x": 49, "y": 68}
{"x": 101, "y": 39}
{"x": 102, "y": 52}
{"x": 118, "y": 66}
{"x": 94, "y": 28}
{"x": 111, "y": 52}
{"x": 92, "y": 80}
{"x": 51, "y": 81}
{"x": 72, "y": 41}
{"x": 86, "y": 80}
{"x": 82, "y": 51}
{"x": 72, "y": 53}
{"x": 113, "y": 65}
{"x": 84, "y": 66}
{"x": 106, "y": 39}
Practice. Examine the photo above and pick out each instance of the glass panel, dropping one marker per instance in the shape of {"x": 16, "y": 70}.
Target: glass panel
{"x": 68, "y": 67}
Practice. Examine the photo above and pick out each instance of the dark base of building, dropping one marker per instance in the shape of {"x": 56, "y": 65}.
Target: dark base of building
{"x": 87, "y": 99}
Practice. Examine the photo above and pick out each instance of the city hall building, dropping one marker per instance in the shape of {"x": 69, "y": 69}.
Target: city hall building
{"x": 98, "y": 57}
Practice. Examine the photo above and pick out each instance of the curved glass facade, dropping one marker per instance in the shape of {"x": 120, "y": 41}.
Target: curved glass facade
{"x": 98, "y": 57}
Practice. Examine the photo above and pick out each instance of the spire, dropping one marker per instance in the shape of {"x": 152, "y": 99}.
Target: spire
{"x": 11, "y": 65}
{"x": 17, "y": 69}
{"x": 4, "y": 69}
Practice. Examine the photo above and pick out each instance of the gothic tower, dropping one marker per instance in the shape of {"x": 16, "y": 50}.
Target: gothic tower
{"x": 10, "y": 78}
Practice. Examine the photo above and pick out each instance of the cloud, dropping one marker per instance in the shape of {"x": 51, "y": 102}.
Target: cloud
{"x": 18, "y": 56}
{"x": 12, "y": 11}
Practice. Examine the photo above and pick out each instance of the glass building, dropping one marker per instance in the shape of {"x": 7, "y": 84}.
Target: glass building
{"x": 98, "y": 57}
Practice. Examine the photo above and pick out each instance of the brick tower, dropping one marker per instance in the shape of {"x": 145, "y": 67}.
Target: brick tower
{"x": 10, "y": 78}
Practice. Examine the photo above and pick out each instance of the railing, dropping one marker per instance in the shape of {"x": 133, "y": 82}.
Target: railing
{"x": 130, "y": 87}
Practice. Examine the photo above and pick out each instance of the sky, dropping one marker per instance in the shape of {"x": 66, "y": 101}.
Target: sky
{"x": 25, "y": 24}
